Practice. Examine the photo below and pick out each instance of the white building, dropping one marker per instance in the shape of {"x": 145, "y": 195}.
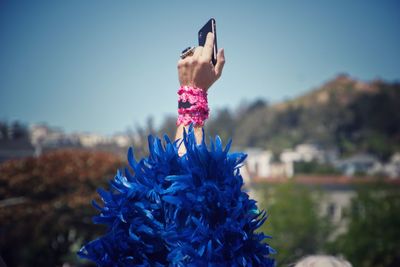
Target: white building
{"x": 392, "y": 168}
{"x": 121, "y": 140}
{"x": 333, "y": 205}
{"x": 360, "y": 163}
{"x": 92, "y": 140}
{"x": 43, "y": 137}
{"x": 258, "y": 162}
{"x": 303, "y": 152}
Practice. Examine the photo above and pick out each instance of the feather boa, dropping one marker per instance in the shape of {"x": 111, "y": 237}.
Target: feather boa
{"x": 180, "y": 211}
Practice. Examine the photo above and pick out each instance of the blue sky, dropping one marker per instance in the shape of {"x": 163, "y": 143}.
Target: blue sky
{"x": 102, "y": 66}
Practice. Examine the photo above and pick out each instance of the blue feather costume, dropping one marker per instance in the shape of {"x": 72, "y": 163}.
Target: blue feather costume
{"x": 180, "y": 211}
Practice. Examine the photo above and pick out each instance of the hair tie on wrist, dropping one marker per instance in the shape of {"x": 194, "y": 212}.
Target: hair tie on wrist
{"x": 192, "y": 106}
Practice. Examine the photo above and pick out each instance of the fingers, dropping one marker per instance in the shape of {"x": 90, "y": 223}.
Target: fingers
{"x": 197, "y": 52}
{"x": 208, "y": 47}
{"x": 180, "y": 63}
{"x": 220, "y": 63}
{"x": 184, "y": 72}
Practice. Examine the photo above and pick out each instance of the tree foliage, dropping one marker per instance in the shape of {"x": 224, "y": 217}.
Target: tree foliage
{"x": 373, "y": 232}
{"x": 45, "y": 212}
{"x": 296, "y": 227}
{"x": 314, "y": 167}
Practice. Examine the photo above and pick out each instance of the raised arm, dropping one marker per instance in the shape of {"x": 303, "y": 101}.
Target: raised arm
{"x": 196, "y": 75}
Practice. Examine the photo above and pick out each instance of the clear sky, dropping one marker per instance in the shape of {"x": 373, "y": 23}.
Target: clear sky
{"x": 101, "y": 66}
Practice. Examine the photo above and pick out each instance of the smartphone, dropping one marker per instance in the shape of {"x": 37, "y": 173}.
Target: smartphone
{"x": 209, "y": 27}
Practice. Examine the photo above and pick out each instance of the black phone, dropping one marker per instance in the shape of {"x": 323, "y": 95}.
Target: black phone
{"x": 210, "y": 26}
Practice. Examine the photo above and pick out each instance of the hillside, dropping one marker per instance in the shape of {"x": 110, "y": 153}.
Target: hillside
{"x": 344, "y": 113}
{"x": 342, "y": 89}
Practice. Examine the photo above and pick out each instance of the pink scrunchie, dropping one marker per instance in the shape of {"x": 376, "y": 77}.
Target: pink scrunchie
{"x": 198, "y": 112}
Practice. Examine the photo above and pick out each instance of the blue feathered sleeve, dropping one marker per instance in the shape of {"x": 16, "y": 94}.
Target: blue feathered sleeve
{"x": 167, "y": 210}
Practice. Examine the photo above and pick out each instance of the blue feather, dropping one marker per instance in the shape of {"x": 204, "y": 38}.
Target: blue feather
{"x": 131, "y": 158}
{"x": 172, "y": 200}
{"x": 180, "y": 211}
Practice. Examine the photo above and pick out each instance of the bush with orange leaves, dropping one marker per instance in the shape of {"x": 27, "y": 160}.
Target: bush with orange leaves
{"x": 45, "y": 212}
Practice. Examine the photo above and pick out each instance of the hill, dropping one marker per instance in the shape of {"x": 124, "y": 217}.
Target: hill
{"x": 343, "y": 113}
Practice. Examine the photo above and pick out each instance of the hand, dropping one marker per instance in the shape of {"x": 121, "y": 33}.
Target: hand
{"x": 197, "y": 70}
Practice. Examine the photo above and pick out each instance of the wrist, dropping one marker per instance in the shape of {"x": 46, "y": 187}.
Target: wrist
{"x": 192, "y": 106}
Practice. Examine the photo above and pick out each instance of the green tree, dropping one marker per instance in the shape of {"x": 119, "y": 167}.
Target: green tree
{"x": 294, "y": 222}
{"x": 373, "y": 233}
{"x": 314, "y": 167}
{"x": 222, "y": 124}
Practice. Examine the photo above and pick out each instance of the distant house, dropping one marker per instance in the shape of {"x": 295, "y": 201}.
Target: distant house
{"x": 90, "y": 140}
{"x": 303, "y": 152}
{"x": 46, "y": 138}
{"x": 259, "y": 163}
{"x": 359, "y": 164}
{"x": 281, "y": 169}
{"x": 392, "y": 168}
{"x": 121, "y": 140}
